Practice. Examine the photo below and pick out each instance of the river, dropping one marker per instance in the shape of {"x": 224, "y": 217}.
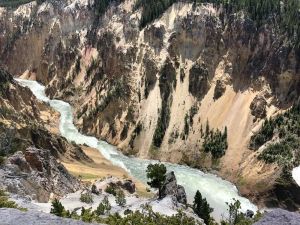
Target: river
{"x": 217, "y": 190}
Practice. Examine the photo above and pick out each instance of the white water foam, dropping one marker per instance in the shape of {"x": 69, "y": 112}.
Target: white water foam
{"x": 216, "y": 190}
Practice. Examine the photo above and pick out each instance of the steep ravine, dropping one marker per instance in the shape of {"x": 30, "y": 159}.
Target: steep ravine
{"x": 216, "y": 190}
{"x": 150, "y": 91}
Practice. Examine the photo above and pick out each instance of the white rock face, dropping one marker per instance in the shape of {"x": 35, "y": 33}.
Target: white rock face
{"x": 296, "y": 175}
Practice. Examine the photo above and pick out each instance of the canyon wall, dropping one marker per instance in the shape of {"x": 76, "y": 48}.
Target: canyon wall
{"x": 152, "y": 92}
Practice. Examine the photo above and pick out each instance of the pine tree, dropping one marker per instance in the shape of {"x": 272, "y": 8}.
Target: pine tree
{"x": 57, "y": 208}
{"x": 202, "y": 208}
{"x": 120, "y": 198}
{"x": 157, "y": 175}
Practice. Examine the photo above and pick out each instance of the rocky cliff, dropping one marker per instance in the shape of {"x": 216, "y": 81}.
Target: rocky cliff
{"x": 153, "y": 91}
{"x": 29, "y": 149}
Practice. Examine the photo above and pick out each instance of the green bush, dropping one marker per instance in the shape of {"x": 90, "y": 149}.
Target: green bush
{"x": 6, "y": 203}
{"x": 104, "y": 207}
{"x": 120, "y": 198}
{"x": 58, "y": 209}
{"x": 86, "y": 198}
{"x": 236, "y": 217}
{"x": 110, "y": 189}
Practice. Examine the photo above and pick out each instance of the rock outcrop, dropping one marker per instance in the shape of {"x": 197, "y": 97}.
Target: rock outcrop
{"x": 258, "y": 107}
{"x": 171, "y": 188}
{"x": 219, "y": 89}
{"x": 14, "y": 216}
{"x": 280, "y": 217}
{"x": 36, "y": 174}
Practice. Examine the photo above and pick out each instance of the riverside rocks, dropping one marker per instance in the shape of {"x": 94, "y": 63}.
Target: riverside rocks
{"x": 171, "y": 188}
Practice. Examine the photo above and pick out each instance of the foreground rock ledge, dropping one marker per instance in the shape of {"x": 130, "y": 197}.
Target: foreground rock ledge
{"x": 14, "y": 216}
{"x": 280, "y": 217}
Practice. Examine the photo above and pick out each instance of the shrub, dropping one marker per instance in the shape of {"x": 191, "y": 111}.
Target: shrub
{"x": 87, "y": 215}
{"x": 6, "y": 203}
{"x": 86, "y": 198}
{"x": 103, "y": 207}
{"x": 57, "y": 208}
{"x": 110, "y": 189}
{"x": 120, "y": 198}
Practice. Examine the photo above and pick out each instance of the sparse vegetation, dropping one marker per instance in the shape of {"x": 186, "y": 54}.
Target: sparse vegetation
{"x": 120, "y": 198}
{"x": 284, "y": 130}
{"x": 58, "y": 209}
{"x": 215, "y": 142}
{"x": 110, "y": 189}
{"x": 284, "y": 15}
{"x": 6, "y": 203}
{"x": 236, "y": 217}
{"x": 100, "y": 6}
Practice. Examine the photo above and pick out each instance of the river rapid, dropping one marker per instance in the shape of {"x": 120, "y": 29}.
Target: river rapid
{"x": 216, "y": 190}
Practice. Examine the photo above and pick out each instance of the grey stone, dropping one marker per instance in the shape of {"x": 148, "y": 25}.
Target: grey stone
{"x": 280, "y": 217}
{"x": 17, "y": 217}
{"x": 181, "y": 195}
{"x": 249, "y": 213}
{"x": 171, "y": 188}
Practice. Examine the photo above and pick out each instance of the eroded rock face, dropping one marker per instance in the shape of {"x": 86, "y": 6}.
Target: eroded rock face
{"x": 258, "y": 107}
{"x": 219, "y": 89}
{"x": 171, "y": 188}
{"x": 198, "y": 81}
{"x": 37, "y": 174}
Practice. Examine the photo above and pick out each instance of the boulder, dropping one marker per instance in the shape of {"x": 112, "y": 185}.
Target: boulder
{"x": 280, "y": 217}
{"x": 181, "y": 195}
{"x": 258, "y": 107}
{"x": 170, "y": 188}
{"x": 129, "y": 186}
{"x": 249, "y": 213}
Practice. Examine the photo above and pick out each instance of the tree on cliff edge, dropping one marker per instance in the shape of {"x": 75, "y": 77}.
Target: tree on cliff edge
{"x": 156, "y": 173}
